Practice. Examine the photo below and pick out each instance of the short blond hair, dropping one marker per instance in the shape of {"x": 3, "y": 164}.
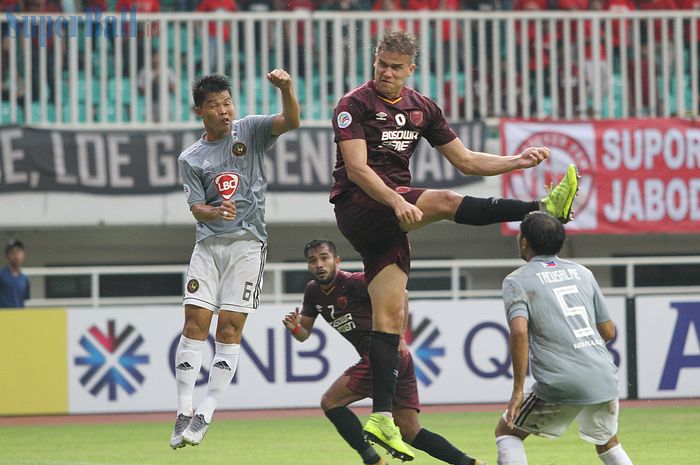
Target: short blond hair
{"x": 399, "y": 42}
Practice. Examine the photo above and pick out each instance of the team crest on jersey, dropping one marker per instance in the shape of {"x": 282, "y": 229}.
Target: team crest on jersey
{"x": 342, "y": 302}
{"x": 239, "y": 149}
{"x": 344, "y": 119}
{"x": 227, "y": 184}
{"x": 416, "y": 117}
{"x": 192, "y": 286}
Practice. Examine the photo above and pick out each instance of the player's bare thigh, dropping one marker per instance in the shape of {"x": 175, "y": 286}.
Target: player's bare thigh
{"x": 386, "y": 291}
{"x": 436, "y": 205}
{"x": 339, "y": 394}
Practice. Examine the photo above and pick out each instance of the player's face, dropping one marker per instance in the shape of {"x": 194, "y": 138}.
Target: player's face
{"x": 217, "y": 112}
{"x": 322, "y": 264}
{"x": 390, "y": 71}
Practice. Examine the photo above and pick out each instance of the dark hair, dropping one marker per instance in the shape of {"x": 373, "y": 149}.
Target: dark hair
{"x": 400, "y": 42}
{"x": 543, "y": 232}
{"x": 316, "y": 243}
{"x": 209, "y": 84}
{"x": 11, "y": 244}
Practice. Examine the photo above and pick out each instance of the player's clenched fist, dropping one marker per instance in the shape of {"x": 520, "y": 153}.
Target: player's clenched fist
{"x": 292, "y": 319}
{"x": 279, "y": 78}
{"x": 533, "y": 156}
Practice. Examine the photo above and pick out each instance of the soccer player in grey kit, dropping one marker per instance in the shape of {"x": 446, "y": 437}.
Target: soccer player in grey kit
{"x": 225, "y": 184}
{"x": 558, "y": 319}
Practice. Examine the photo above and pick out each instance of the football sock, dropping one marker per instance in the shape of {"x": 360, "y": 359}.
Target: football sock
{"x": 223, "y": 367}
{"x": 384, "y": 360}
{"x": 350, "y": 428}
{"x": 511, "y": 450}
{"x": 440, "y": 448}
{"x": 615, "y": 456}
{"x": 479, "y": 212}
{"x": 188, "y": 361}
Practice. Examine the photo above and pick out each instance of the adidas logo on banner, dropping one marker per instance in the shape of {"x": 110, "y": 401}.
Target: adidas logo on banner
{"x": 222, "y": 365}
{"x": 185, "y": 366}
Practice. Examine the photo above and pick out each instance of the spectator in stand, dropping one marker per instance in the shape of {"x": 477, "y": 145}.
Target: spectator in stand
{"x": 345, "y": 5}
{"x": 589, "y": 57}
{"x": 152, "y": 80}
{"x": 378, "y": 27}
{"x": 692, "y": 5}
{"x": 42, "y": 7}
{"x": 213, "y": 6}
{"x": 297, "y": 29}
{"x": 150, "y": 29}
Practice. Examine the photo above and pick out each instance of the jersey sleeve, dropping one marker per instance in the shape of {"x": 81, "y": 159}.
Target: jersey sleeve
{"x": 515, "y": 299}
{"x": 438, "y": 132}
{"x": 308, "y": 307}
{"x": 347, "y": 120}
{"x": 191, "y": 183}
{"x": 259, "y": 129}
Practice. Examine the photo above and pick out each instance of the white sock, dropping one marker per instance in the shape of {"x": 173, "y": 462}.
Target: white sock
{"x": 511, "y": 450}
{"x": 223, "y": 367}
{"x": 615, "y": 456}
{"x": 188, "y": 361}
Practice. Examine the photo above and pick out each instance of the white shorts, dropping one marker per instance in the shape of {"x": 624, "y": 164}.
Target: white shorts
{"x": 597, "y": 422}
{"x": 226, "y": 273}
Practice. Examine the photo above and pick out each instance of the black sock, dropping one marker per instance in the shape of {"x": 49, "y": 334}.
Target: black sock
{"x": 350, "y": 428}
{"x": 480, "y": 212}
{"x": 440, "y": 448}
{"x": 384, "y": 361}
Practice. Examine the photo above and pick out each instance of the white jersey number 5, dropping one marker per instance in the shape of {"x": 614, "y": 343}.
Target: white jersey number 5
{"x": 576, "y": 317}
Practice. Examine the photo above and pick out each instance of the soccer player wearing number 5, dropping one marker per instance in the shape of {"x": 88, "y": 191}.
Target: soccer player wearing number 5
{"x": 225, "y": 183}
{"x": 558, "y": 318}
{"x": 341, "y": 298}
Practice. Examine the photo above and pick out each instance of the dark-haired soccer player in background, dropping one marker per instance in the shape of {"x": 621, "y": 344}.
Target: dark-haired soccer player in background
{"x": 225, "y": 185}
{"x": 556, "y": 310}
{"x": 377, "y": 127}
{"x": 341, "y": 298}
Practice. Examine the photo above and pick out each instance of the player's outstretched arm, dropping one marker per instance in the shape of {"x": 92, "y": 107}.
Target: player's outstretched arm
{"x": 354, "y": 153}
{"x": 290, "y": 118}
{"x": 487, "y": 164}
{"x": 299, "y": 325}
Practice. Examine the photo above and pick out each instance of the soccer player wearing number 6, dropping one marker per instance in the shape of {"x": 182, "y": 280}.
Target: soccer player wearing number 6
{"x": 225, "y": 183}
{"x": 558, "y": 319}
{"x": 341, "y": 298}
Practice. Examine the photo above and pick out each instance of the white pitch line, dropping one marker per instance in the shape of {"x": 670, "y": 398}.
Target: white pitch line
{"x": 64, "y": 462}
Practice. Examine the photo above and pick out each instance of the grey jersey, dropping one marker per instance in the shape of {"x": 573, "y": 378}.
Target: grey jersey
{"x": 232, "y": 168}
{"x": 563, "y": 302}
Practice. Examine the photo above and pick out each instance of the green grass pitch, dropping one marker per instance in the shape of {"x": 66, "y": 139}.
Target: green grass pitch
{"x": 651, "y": 436}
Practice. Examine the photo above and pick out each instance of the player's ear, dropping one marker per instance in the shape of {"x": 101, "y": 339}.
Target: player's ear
{"x": 197, "y": 111}
{"x": 411, "y": 68}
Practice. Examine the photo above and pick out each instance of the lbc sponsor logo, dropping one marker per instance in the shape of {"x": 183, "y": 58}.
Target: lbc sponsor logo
{"x": 227, "y": 184}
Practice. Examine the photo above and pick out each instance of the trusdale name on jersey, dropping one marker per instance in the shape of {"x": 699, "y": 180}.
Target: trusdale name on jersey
{"x": 399, "y": 140}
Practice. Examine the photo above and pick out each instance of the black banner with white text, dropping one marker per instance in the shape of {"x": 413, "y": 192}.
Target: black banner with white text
{"x": 145, "y": 162}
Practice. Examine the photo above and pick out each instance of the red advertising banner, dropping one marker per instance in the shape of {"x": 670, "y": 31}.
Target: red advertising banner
{"x": 637, "y": 175}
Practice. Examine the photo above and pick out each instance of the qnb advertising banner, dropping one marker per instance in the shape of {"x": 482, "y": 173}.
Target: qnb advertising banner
{"x": 638, "y": 175}
{"x": 122, "y": 360}
{"x": 141, "y": 162}
{"x": 668, "y": 346}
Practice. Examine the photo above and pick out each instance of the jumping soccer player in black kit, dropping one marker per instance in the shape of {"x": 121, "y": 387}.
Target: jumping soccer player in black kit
{"x": 341, "y": 298}
{"x": 377, "y": 126}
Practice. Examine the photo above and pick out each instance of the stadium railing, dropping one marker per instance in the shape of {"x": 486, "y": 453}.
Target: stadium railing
{"x": 476, "y": 65}
{"x": 465, "y": 279}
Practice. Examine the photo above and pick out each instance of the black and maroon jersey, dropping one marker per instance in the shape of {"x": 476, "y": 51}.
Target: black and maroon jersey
{"x": 392, "y": 129}
{"x": 346, "y": 307}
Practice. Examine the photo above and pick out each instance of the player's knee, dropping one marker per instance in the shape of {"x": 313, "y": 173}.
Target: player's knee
{"x": 192, "y": 330}
{"x": 229, "y": 334}
{"x": 448, "y": 202}
{"x": 327, "y": 402}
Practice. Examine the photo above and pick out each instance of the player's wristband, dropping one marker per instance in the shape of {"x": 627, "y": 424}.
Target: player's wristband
{"x": 296, "y": 330}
